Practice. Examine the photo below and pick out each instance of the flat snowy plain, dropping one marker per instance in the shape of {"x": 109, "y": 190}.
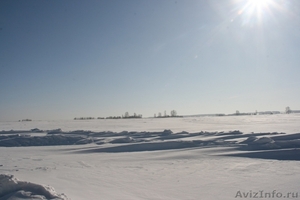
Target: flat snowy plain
{"x": 190, "y": 158}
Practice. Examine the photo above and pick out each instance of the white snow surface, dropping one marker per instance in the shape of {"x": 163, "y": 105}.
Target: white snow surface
{"x": 153, "y": 159}
{"x": 252, "y": 123}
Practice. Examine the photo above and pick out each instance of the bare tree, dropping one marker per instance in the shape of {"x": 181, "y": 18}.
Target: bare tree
{"x": 173, "y": 113}
{"x": 288, "y": 110}
{"x": 126, "y": 115}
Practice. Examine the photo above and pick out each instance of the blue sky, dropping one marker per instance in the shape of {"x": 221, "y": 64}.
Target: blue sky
{"x": 64, "y": 59}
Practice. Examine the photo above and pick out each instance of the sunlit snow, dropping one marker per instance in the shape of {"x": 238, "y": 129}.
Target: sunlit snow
{"x": 229, "y": 157}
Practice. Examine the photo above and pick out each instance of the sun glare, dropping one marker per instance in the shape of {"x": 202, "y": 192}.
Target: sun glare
{"x": 258, "y": 6}
{"x": 259, "y": 3}
{"x": 256, "y": 11}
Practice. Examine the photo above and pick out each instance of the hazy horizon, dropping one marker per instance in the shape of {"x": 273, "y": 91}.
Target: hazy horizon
{"x": 61, "y": 59}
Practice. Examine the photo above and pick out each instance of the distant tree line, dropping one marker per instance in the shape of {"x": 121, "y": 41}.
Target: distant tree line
{"x": 84, "y": 118}
{"x": 25, "y": 120}
{"x": 125, "y": 116}
{"x": 114, "y": 117}
{"x": 287, "y": 111}
{"x": 91, "y": 118}
{"x": 173, "y": 113}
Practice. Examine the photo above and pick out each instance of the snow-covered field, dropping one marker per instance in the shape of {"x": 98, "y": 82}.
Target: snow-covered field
{"x": 232, "y": 157}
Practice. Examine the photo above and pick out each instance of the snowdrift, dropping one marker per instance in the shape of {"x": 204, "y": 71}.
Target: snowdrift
{"x": 135, "y": 141}
{"x": 13, "y": 189}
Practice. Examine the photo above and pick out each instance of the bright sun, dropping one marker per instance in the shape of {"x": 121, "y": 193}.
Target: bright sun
{"x": 256, "y": 9}
{"x": 259, "y": 3}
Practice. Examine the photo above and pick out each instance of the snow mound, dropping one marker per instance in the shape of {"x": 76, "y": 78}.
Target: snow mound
{"x": 123, "y": 140}
{"x": 263, "y": 140}
{"x": 249, "y": 140}
{"x": 261, "y": 143}
{"x": 13, "y": 189}
{"x": 27, "y": 140}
